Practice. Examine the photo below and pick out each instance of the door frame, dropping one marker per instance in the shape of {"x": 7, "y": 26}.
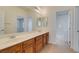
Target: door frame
{"x": 69, "y": 26}
{"x": 2, "y": 14}
{"x": 76, "y": 41}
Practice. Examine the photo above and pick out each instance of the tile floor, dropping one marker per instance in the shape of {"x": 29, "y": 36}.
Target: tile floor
{"x": 52, "y": 48}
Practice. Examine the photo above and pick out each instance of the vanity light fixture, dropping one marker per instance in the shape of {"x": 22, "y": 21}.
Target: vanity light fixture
{"x": 37, "y": 9}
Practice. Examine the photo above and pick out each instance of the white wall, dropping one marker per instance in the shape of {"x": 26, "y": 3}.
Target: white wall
{"x": 52, "y": 22}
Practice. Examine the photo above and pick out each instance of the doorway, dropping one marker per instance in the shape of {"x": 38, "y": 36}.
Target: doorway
{"x": 30, "y": 20}
{"x": 20, "y": 24}
{"x": 62, "y": 28}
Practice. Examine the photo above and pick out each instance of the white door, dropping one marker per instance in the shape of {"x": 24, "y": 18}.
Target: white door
{"x": 1, "y": 24}
{"x": 61, "y": 36}
{"x": 76, "y": 40}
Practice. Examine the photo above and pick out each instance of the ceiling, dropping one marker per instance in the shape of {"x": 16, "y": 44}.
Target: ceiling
{"x": 42, "y": 10}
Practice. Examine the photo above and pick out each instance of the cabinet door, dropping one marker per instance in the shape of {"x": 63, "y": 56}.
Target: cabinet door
{"x": 5, "y": 51}
{"x": 47, "y": 37}
{"x": 14, "y": 49}
{"x": 28, "y": 46}
{"x": 39, "y": 43}
{"x": 38, "y": 47}
{"x": 44, "y": 39}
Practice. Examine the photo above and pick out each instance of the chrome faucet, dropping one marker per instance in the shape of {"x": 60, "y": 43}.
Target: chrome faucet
{"x": 12, "y": 36}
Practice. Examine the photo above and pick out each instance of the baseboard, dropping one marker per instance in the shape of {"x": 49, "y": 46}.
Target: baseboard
{"x": 52, "y": 42}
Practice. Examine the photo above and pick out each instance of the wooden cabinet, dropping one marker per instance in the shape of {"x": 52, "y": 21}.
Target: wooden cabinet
{"x": 28, "y": 46}
{"x": 14, "y": 49}
{"x": 39, "y": 43}
{"x": 45, "y": 38}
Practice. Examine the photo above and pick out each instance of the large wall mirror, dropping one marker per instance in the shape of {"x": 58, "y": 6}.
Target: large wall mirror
{"x": 39, "y": 22}
{"x": 17, "y": 20}
{"x": 12, "y": 22}
{"x": 42, "y": 22}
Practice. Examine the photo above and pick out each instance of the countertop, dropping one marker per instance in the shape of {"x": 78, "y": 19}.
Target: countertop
{"x": 7, "y": 41}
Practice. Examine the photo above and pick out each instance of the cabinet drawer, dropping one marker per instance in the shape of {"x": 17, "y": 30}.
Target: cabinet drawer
{"x": 28, "y": 42}
{"x": 28, "y": 46}
{"x": 17, "y": 48}
{"x": 38, "y": 38}
{"x": 5, "y": 51}
{"x": 14, "y": 49}
{"x": 28, "y": 49}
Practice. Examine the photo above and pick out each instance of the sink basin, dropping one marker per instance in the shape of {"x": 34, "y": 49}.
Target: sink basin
{"x": 8, "y": 39}
{"x": 4, "y": 40}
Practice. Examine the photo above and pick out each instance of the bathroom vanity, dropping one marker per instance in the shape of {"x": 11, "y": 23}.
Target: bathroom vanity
{"x": 25, "y": 43}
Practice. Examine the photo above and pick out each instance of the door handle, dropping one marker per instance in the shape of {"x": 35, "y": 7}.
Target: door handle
{"x": 77, "y": 30}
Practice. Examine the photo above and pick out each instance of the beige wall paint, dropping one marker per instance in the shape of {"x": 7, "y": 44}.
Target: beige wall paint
{"x": 11, "y": 14}
{"x": 11, "y": 18}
